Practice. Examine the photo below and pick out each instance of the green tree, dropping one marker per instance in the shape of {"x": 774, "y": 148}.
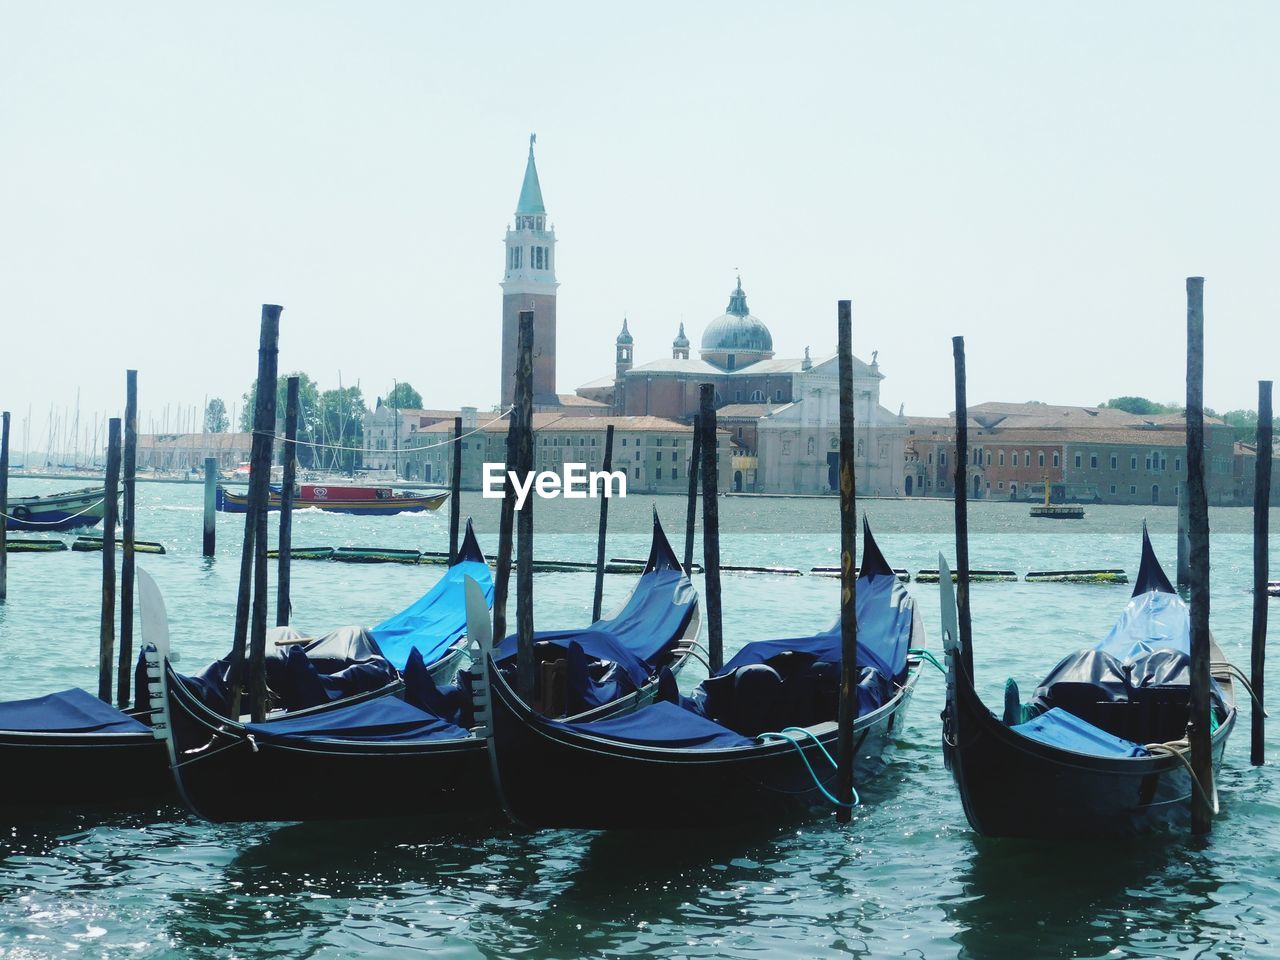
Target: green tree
{"x": 341, "y": 431}
{"x": 215, "y": 416}
{"x": 308, "y": 411}
{"x": 1140, "y": 405}
{"x": 404, "y": 397}
{"x": 1245, "y": 423}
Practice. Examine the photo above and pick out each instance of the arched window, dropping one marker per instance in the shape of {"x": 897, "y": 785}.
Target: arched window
{"x": 1001, "y": 458}
{"x": 859, "y": 450}
{"x": 809, "y": 451}
{"x": 757, "y": 396}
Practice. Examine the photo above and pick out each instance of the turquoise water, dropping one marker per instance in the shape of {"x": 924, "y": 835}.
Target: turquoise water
{"x": 906, "y": 879}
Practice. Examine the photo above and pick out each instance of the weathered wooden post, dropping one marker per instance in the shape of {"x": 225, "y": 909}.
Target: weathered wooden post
{"x": 691, "y": 512}
{"x": 1184, "y": 567}
{"x": 111, "y": 492}
{"x": 264, "y": 431}
{"x": 711, "y": 525}
{"x": 4, "y": 505}
{"x": 284, "y": 606}
{"x": 259, "y": 489}
{"x": 506, "y": 521}
{"x": 1261, "y": 569}
{"x": 455, "y": 491}
{"x": 598, "y": 597}
{"x": 523, "y": 420}
{"x": 124, "y": 676}
{"x": 848, "y": 708}
{"x": 963, "y": 616}
{"x": 1198, "y": 724}
{"x": 210, "y": 505}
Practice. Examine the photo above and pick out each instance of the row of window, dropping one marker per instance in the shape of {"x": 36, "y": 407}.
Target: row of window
{"x": 1156, "y": 461}
{"x": 539, "y": 258}
{"x": 530, "y": 223}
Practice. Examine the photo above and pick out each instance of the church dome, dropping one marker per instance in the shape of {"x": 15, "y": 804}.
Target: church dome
{"x": 737, "y": 331}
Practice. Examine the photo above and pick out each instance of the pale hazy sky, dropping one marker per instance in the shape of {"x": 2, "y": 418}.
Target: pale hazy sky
{"x": 1039, "y": 177}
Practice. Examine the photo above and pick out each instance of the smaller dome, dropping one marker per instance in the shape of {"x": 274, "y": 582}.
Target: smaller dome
{"x": 625, "y": 335}
{"x": 681, "y": 340}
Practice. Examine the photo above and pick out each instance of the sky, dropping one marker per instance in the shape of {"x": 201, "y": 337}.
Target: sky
{"x": 1039, "y": 177}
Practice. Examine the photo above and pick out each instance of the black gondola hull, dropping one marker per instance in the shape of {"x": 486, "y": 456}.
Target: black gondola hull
{"x": 1013, "y": 786}
{"x": 122, "y": 770}
{"x": 552, "y": 776}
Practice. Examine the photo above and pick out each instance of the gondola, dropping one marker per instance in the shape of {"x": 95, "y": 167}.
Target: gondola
{"x": 1100, "y": 750}
{"x": 752, "y": 744}
{"x": 422, "y": 754}
{"x": 70, "y": 748}
{"x": 53, "y": 512}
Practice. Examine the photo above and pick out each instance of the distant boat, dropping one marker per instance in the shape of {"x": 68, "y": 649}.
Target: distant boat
{"x": 1057, "y": 511}
{"x": 57, "y": 511}
{"x": 366, "y": 501}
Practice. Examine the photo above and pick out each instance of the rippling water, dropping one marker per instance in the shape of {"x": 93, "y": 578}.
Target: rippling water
{"x": 907, "y": 878}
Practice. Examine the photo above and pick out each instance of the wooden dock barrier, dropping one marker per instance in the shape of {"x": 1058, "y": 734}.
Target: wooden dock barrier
{"x": 87, "y": 543}
{"x": 124, "y": 670}
{"x": 522, "y": 431}
{"x": 1261, "y": 568}
{"x": 975, "y": 576}
{"x": 847, "y": 711}
{"x": 711, "y": 525}
{"x": 210, "y": 538}
{"x": 36, "y": 546}
{"x": 304, "y": 553}
{"x": 374, "y": 555}
{"x": 107, "y": 629}
{"x": 1198, "y": 735}
{"x": 901, "y": 574}
{"x": 1077, "y": 576}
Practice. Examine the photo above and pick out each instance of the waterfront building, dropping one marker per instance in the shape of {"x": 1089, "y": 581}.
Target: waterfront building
{"x": 1085, "y": 454}
{"x": 653, "y": 451}
{"x": 391, "y": 441}
{"x": 187, "y": 451}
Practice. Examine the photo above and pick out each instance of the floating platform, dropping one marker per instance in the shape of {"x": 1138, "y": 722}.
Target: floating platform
{"x": 304, "y": 553}
{"x": 375, "y": 555}
{"x": 1273, "y": 588}
{"x": 639, "y": 564}
{"x": 782, "y": 571}
{"x": 88, "y": 544}
{"x": 1058, "y": 511}
{"x": 13, "y": 545}
{"x": 901, "y": 574}
{"x": 975, "y": 576}
{"x": 1077, "y": 576}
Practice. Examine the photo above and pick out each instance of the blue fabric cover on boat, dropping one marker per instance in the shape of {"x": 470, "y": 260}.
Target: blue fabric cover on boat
{"x": 1058, "y": 728}
{"x": 384, "y": 720}
{"x": 421, "y": 691}
{"x": 663, "y": 724}
{"x": 885, "y": 616}
{"x": 639, "y": 636}
{"x": 68, "y": 711}
{"x": 1151, "y": 621}
{"x": 435, "y": 622}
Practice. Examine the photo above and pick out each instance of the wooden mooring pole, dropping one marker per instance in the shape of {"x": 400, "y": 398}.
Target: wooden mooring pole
{"x": 284, "y": 605}
{"x": 848, "y": 707}
{"x": 1184, "y": 565}
{"x": 210, "y": 506}
{"x": 711, "y": 526}
{"x": 963, "y": 616}
{"x": 455, "y": 491}
{"x": 259, "y": 489}
{"x": 1198, "y": 533}
{"x": 111, "y": 493}
{"x": 523, "y": 421}
{"x": 264, "y": 437}
{"x": 691, "y": 512}
{"x": 1261, "y": 569}
{"x": 4, "y": 504}
{"x": 598, "y": 596}
{"x": 124, "y": 675}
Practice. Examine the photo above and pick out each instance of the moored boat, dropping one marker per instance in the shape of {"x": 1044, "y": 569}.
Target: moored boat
{"x": 1101, "y": 748}
{"x": 367, "y": 501}
{"x": 421, "y": 755}
{"x": 57, "y": 511}
{"x": 754, "y": 742}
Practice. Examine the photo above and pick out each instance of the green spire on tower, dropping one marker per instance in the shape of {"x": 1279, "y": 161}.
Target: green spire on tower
{"x": 531, "y": 190}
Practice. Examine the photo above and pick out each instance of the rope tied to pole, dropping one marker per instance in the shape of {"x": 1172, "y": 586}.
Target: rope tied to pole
{"x": 785, "y": 734}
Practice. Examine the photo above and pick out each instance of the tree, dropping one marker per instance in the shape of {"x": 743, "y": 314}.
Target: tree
{"x": 215, "y": 416}
{"x": 404, "y": 397}
{"x": 341, "y": 431}
{"x": 308, "y": 411}
{"x": 1140, "y": 405}
{"x": 1245, "y": 423}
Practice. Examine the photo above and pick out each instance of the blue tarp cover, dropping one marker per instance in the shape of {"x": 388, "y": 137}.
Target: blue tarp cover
{"x": 68, "y": 711}
{"x": 1058, "y": 728}
{"x": 1151, "y": 621}
{"x": 663, "y": 724}
{"x": 638, "y": 636}
{"x": 436, "y": 621}
{"x": 384, "y": 720}
{"x": 885, "y": 615}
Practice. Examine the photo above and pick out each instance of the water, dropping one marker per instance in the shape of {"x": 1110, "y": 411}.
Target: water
{"x": 907, "y": 878}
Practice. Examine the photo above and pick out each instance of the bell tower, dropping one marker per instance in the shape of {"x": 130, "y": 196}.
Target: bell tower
{"x": 529, "y": 283}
